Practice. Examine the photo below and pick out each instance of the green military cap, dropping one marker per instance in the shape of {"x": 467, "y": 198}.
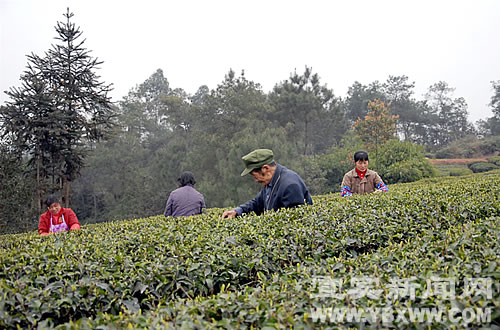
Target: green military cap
{"x": 257, "y": 159}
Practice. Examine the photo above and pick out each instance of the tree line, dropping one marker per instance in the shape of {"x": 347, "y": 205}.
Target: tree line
{"x": 61, "y": 133}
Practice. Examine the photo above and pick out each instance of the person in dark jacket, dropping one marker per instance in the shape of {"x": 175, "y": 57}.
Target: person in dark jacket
{"x": 185, "y": 200}
{"x": 281, "y": 187}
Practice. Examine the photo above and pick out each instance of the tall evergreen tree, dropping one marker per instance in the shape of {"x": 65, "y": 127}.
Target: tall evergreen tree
{"x": 82, "y": 99}
{"x": 33, "y": 124}
{"x": 494, "y": 122}
{"x": 61, "y": 105}
{"x": 233, "y": 104}
{"x": 450, "y": 115}
{"x": 143, "y": 111}
{"x": 358, "y": 97}
{"x": 399, "y": 92}
{"x": 304, "y": 105}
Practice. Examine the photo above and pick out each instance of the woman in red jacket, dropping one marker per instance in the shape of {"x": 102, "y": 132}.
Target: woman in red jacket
{"x": 57, "y": 219}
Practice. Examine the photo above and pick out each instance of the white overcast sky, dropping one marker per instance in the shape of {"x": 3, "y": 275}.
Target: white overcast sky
{"x": 196, "y": 42}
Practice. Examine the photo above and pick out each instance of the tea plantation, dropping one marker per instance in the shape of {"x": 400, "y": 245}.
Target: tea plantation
{"x": 423, "y": 255}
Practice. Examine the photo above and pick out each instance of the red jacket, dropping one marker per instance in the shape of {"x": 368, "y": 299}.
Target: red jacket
{"x": 69, "y": 217}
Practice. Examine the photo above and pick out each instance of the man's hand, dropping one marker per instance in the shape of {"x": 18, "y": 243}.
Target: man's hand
{"x": 229, "y": 214}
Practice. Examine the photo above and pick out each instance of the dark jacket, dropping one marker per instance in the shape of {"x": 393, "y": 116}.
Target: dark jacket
{"x": 184, "y": 201}
{"x": 287, "y": 189}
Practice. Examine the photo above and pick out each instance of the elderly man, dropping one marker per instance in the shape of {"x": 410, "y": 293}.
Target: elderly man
{"x": 281, "y": 187}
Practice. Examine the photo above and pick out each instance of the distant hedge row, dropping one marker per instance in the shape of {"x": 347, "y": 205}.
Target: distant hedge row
{"x": 493, "y": 163}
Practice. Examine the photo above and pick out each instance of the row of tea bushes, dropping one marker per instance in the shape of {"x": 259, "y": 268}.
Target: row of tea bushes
{"x": 290, "y": 298}
{"x": 106, "y": 269}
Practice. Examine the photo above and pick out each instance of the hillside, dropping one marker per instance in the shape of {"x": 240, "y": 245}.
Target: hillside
{"x": 425, "y": 253}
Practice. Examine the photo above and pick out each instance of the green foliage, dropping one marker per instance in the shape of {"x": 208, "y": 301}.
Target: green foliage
{"x": 144, "y": 109}
{"x": 448, "y": 115}
{"x": 309, "y": 111}
{"x": 378, "y": 126}
{"x": 16, "y": 212}
{"x": 395, "y": 151}
{"x": 358, "y": 97}
{"x": 459, "y": 171}
{"x": 494, "y": 122}
{"x": 399, "y": 92}
{"x": 60, "y": 105}
{"x": 395, "y": 161}
{"x": 490, "y": 145}
{"x": 464, "y": 148}
{"x": 478, "y": 167}
{"x": 288, "y": 300}
{"x": 494, "y": 160}
{"x": 402, "y": 162}
{"x": 448, "y": 169}
{"x": 237, "y": 189}
{"x": 469, "y": 147}
{"x": 408, "y": 171}
{"x": 326, "y": 171}
{"x": 254, "y": 271}
{"x": 33, "y": 124}
{"x": 315, "y": 176}
{"x": 124, "y": 179}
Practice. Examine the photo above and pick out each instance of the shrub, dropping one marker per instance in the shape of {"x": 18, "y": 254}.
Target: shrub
{"x": 334, "y": 166}
{"x": 490, "y": 145}
{"x": 469, "y": 147}
{"x": 395, "y": 151}
{"x": 471, "y": 164}
{"x": 327, "y": 171}
{"x": 448, "y": 152}
{"x": 494, "y": 160}
{"x": 478, "y": 167}
{"x": 402, "y": 162}
{"x": 466, "y": 147}
{"x": 459, "y": 171}
{"x": 408, "y": 171}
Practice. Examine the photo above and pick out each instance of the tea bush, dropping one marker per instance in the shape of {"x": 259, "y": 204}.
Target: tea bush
{"x": 478, "y": 167}
{"x": 494, "y": 160}
{"x": 254, "y": 271}
{"x": 460, "y": 171}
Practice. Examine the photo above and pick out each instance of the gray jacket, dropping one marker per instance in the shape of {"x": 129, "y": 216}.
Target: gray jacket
{"x": 185, "y": 201}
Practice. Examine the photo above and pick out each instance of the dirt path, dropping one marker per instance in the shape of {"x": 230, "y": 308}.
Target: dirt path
{"x": 461, "y": 161}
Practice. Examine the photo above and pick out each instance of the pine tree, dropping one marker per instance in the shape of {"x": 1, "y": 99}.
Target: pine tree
{"x": 60, "y": 106}
{"x": 494, "y": 122}
{"x": 30, "y": 119}
{"x": 83, "y": 100}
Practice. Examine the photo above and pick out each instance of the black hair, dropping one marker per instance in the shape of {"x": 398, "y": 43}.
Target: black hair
{"x": 360, "y": 155}
{"x": 186, "y": 178}
{"x": 52, "y": 199}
